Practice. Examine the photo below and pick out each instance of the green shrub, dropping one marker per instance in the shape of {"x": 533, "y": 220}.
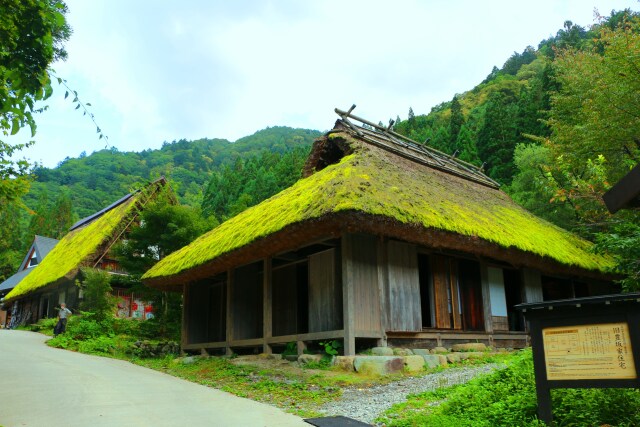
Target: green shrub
{"x": 98, "y": 345}
{"x": 44, "y": 326}
{"x": 508, "y": 398}
{"x": 97, "y": 298}
{"x": 129, "y": 327}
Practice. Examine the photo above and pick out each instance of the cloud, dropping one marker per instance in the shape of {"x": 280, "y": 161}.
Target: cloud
{"x": 160, "y": 71}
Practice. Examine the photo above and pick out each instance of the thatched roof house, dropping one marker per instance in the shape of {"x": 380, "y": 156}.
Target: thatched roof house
{"x": 40, "y": 247}
{"x": 378, "y": 221}
{"x": 86, "y": 245}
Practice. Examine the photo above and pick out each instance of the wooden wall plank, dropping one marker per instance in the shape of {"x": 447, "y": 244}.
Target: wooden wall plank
{"x": 364, "y": 276}
{"x": 284, "y": 299}
{"x": 532, "y": 282}
{"x": 247, "y": 301}
{"x": 217, "y": 311}
{"x": 405, "y": 313}
{"x": 325, "y": 293}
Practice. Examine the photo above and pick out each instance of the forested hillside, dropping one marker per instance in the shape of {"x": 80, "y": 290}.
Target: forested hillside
{"x": 557, "y": 125}
{"x": 96, "y": 180}
{"x": 242, "y": 173}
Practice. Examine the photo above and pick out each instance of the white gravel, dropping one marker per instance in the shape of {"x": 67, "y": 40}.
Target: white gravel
{"x": 366, "y": 404}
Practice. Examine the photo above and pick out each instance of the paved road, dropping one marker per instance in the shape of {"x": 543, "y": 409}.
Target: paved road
{"x": 43, "y": 386}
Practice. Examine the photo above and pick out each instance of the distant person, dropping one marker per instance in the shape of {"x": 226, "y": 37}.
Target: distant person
{"x": 61, "y": 326}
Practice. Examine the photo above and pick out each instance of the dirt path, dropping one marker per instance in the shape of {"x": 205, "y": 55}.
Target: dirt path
{"x": 43, "y": 386}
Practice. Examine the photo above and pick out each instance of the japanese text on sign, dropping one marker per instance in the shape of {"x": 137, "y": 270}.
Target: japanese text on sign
{"x": 599, "y": 351}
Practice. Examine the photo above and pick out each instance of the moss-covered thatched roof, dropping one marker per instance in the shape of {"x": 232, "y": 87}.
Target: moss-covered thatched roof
{"x": 76, "y": 249}
{"x": 369, "y": 189}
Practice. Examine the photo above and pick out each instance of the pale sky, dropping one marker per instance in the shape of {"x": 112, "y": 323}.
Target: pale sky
{"x": 157, "y": 70}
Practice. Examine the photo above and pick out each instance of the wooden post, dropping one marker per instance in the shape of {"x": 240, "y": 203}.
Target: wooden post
{"x": 185, "y": 318}
{"x": 301, "y": 347}
{"x": 348, "y": 305}
{"x": 228, "y": 349}
{"x": 486, "y": 298}
{"x": 383, "y": 288}
{"x": 267, "y": 305}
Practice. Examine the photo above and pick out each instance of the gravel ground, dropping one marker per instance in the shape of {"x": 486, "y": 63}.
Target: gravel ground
{"x": 366, "y": 404}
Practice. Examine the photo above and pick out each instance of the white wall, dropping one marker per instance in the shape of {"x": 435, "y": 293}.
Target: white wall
{"x": 496, "y": 291}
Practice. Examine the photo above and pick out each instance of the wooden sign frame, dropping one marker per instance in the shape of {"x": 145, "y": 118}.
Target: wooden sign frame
{"x": 584, "y": 343}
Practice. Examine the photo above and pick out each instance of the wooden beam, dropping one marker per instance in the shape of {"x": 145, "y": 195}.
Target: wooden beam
{"x": 313, "y": 336}
{"x": 625, "y": 194}
{"x": 198, "y": 346}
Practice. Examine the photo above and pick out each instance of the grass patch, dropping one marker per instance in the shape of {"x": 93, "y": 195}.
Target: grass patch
{"x": 301, "y": 395}
{"x": 508, "y": 398}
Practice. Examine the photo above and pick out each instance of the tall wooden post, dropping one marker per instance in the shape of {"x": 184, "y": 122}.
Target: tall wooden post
{"x": 267, "y": 305}
{"x": 229, "y": 334}
{"x": 486, "y": 298}
{"x": 348, "y": 297}
{"x": 185, "y": 315}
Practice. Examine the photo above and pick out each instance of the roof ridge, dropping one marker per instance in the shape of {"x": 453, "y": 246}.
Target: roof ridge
{"x": 403, "y": 146}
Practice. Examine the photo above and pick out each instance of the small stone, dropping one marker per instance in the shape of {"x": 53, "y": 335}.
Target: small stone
{"x": 382, "y": 351}
{"x": 421, "y": 351}
{"x": 291, "y": 357}
{"x": 274, "y": 356}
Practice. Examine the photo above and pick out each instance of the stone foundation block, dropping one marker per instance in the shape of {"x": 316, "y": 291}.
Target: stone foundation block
{"x": 453, "y": 357}
{"x": 402, "y": 352}
{"x": 304, "y": 359}
{"x": 433, "y": 360}
{"x": 378, "y": 365}
{"x": 471, "y": 346}
{"x": 413, "y": 363}
{"x": 440, "y": 350}
{"x": 382, "y": 351}
{"x": 344, "y": 362}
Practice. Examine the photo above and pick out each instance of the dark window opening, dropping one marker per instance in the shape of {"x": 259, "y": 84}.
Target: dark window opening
{"x": 554, "y": 288}
{"x": 513, "y": 293}
{"x": 246, "y": 301}
{"x": 290, "y": 289}
{"x": 206, "y": 311}
{"x": 424, "y": 276}
{"x": 470, "y": 287}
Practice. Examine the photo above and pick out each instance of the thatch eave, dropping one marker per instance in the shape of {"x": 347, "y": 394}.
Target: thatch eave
{"x": 335, "y": 225}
